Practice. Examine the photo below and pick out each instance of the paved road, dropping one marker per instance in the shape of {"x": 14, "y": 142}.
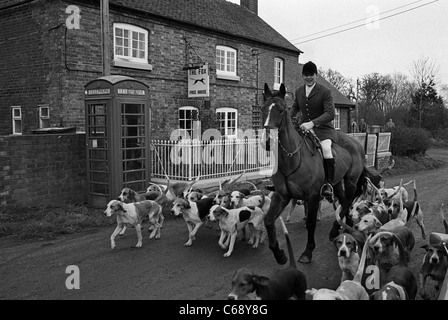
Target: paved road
{"x": 166, "y": 270}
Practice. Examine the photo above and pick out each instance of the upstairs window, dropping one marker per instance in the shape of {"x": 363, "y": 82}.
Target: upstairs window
{"x": 278, "y": 73}
{"x": 16, "y": 120}
{"x": 130, "y": 46}
{"x": 226, "y": 63}
{"x": 44, "y": 116}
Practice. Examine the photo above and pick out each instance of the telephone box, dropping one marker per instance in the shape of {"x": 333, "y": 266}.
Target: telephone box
{"x": 117, "y": 133}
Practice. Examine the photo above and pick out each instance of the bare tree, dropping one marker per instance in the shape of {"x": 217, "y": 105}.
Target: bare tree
{"x": 399, "y": 94}
{"x": 341, "y": 83}
{"x": 425, "y": 73}
{"x": 373, "y": 90}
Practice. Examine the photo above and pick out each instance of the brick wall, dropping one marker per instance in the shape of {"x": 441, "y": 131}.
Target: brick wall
{"x": 42, "y": 169}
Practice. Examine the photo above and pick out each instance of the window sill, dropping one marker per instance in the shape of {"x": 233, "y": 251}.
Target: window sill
{"x": 227, "y": 77}
{"x": 132, "y": 65}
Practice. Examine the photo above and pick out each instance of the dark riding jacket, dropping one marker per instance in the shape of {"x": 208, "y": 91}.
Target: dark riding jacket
{"x": 317, "y": 107}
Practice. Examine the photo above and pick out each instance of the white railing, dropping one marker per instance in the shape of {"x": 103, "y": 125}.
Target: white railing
{"x": 187, "y": 159}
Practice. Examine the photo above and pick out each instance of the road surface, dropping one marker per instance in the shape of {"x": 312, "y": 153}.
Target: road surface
{"x": 166, "y": 270}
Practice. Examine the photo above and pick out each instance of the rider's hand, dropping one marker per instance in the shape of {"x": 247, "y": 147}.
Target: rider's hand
{"x": 307, "y": 126}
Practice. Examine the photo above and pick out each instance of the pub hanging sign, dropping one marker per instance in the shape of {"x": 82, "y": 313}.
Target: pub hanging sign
{"x": 198, "y": 82}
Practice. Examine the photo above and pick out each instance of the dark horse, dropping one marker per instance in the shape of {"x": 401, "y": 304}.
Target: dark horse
{"x": 300, "y": 172}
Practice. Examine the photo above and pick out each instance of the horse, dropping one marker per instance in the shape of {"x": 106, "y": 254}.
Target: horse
{"x": 300, "y": 173}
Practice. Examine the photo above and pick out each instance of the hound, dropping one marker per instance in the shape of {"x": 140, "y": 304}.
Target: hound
{"x": 348, "y": 289}
{"x": 400, "y": 282}
{"x": 434, "y": 266}
{"x": 435, "y": 263}
{"x": 386, "y": 248}
{"x": 233, "y": 220}
{"x": 413, "y": 210}
{"x": 194, "y": 214}
{"x": 392, "y": 194}
{"x": 348, "y": 244}
{"x": 132, "y": 214}
{"x": 128, "y": 195}
{"x": 283, "y": 285}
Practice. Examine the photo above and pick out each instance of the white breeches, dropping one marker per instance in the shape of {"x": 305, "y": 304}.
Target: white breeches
{"x": 326, "y": 148}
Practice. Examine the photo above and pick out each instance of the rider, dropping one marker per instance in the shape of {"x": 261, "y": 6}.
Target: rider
{"x": 315, "y": 102}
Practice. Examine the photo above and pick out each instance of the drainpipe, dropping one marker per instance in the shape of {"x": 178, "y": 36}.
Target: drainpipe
{"x": 105, "y": 37}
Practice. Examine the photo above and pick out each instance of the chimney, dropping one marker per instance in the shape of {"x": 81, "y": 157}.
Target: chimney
{"x": 252, "y": 5}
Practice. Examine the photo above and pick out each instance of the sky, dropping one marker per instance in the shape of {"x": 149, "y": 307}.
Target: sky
{"x": 379, "y": 44}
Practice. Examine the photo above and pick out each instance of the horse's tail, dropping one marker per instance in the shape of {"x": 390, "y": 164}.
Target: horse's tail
{"x": 361, "y": 186}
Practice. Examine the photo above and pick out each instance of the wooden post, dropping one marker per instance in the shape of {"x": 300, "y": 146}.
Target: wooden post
{"x": 105, "y": 36}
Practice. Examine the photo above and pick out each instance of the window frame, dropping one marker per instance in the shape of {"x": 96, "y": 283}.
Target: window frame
{"x": 225, "y": 74}
{"x": 278, "y": 72}
{"x": 42, "y": 118}
{"x": 226, "y": 111}
{"x": 192, "y": 121}
{"x": 15, "y": 118}
{"x": 337, "y": 118}
{"x": 122, "y": 60}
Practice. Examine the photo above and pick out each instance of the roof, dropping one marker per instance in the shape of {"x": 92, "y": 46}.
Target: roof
{"x": 217, "y": 15}
{"x": 338, "y": 97}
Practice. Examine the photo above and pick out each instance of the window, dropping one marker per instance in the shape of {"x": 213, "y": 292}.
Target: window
{"x": 227, "y": 119}
{"x": 189, "y": 122}
{"x": 337, "y": 119}
{"x": 44, "y": 116}
{"x": 278, "y": 73}
{"x": 130, "y": 46}
{"x": 16, "y": 120}
{"x": 226, "y": 62}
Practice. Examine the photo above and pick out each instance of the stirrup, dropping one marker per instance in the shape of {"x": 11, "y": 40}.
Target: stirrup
{"x": 329, "y": 198}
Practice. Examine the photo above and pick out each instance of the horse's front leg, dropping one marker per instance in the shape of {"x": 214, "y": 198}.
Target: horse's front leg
{"x": 312, "y": 207}
{"x": 278, "y": 203}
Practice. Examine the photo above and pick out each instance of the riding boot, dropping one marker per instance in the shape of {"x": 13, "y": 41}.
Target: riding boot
{"x": 327, "y": 189}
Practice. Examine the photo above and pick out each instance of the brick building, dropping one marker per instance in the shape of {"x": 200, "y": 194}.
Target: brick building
{"x": 51, "y": 49}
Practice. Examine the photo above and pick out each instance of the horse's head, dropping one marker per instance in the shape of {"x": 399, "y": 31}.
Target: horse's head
{"x": 274, "y": 107}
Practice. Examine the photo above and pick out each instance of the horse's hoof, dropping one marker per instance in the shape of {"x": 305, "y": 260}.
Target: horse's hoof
{"x": 304, "y": 259}
{"x": 280, "y": 257}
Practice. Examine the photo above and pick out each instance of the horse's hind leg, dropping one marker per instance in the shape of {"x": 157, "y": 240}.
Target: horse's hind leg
{"x": 345, "y": 196}
{"x": 276, "y": 208}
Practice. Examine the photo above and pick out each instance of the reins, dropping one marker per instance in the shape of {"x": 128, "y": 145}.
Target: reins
{"x": 299, "y": 148}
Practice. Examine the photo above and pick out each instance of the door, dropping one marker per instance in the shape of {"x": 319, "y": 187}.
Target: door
{"x": 97, "y": 149}
{"x": 133, "y": 143}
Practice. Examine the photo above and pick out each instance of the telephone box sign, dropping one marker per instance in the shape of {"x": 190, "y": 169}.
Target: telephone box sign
{"x": 97, "y": 91}
{"x": 198, "y": 82}
{"x": 132, "y": 92}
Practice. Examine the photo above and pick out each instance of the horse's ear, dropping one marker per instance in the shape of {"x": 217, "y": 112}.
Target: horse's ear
{"x": 267, "y": 91}
{"x": 282, "y": 91}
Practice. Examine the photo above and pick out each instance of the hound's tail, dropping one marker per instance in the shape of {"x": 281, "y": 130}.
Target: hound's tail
{"x": 292, "y": 260}
{"x": 342, "y": 223}
{"x": 362, "y": 262}
{"x": 263, "y": 197}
